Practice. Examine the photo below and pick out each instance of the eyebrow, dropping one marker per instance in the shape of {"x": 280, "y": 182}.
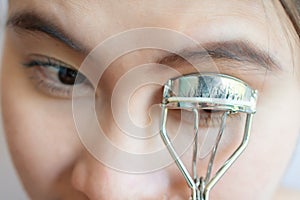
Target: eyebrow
{"x": 239, "y": 50}
{"x": 37, "y": 23}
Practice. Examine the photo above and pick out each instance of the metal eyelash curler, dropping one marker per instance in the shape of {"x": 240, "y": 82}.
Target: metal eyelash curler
{"x": 207, "y": 91}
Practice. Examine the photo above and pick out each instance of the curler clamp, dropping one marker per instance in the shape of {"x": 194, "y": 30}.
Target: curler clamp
{"x": 207, "y": 91}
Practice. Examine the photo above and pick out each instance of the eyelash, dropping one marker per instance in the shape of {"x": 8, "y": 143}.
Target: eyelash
{"x": 207, "y": 118}
{"x": 45, "y": 73}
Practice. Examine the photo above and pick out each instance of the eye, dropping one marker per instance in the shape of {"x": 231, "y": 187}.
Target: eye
{"x": 68, "y": 76}
{"x": 56, "y": 78}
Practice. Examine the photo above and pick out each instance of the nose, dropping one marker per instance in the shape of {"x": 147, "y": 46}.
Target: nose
{"x": 140, "y": 120}
{"x": 97, "y": 182}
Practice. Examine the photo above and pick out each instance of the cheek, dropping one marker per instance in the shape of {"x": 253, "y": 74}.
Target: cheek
{"x": 273, "y": 139}
{"x": 40, "y": 133}
{"x": 276, "y": 127}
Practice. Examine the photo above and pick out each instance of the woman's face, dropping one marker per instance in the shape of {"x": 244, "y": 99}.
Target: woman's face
{"x": 46, "y": 43}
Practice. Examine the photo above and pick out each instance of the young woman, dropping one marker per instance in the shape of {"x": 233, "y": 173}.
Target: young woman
{"x": 47, "y": 42}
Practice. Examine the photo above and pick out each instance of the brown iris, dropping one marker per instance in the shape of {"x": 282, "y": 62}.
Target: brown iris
{"x": 70, "y": 77}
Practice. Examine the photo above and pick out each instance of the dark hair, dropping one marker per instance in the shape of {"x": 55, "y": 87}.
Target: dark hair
{"x": 292, "y": 8}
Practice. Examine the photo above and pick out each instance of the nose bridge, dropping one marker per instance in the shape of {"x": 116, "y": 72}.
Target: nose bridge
{"x": 130, "y": 121}
{"x": 129, "y": 110}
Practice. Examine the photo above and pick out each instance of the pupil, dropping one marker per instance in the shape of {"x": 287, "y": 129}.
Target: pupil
{"x": 68, "y": 76}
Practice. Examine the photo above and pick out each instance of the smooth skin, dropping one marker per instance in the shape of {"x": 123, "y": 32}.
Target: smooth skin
{"x": 40, "y": 131}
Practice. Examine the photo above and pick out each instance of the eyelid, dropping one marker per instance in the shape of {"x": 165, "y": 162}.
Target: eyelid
{"x": 39, "y": 66}
{"x": 42, "y": 59}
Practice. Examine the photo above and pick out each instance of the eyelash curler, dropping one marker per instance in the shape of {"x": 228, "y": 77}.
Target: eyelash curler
{"x": 213, "y": 92}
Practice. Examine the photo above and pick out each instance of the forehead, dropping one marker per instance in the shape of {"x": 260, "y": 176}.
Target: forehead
{"x": 120, "y": 15}
{"x": 105, "y": 18}
{"x": 92, "y": 21}
{"x": 154, "y": 7}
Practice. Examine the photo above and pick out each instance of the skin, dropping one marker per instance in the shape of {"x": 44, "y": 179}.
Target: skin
{"x": 47, "y": 152}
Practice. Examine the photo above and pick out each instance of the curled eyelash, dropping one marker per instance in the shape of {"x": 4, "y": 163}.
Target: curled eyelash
{"x": 206, "y": 117}
{"x": 43, "y": 71}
